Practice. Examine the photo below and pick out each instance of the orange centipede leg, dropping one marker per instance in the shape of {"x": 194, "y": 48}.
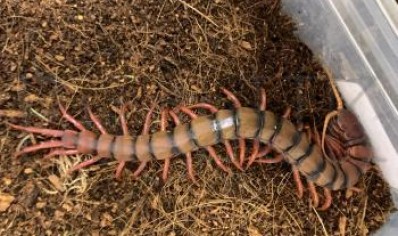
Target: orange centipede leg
{"x": 188, "y": 156}
{"x": 253, "y": 156}
{"x": 328, "y": 199}
{"x": 140, "y": 168}
{"x": 30, "y": 129}
{"x": 256, "y": 142}
{"x": 61, "y": 152}
{"x": 84, "y": 164}
{"x": 96, "y": 121}
{"x": 232, "y": 97}
{"x": 145, "y": 131}
{"x": 242, "y": 143}
{"x": 231, "y": 155}
{"x": 314, "y": 194}
{"x": 72, "y": 120}
{"x": 163, "y": 125}
{"x": 122, "y": 117}
{"x": 242, "y": 151}
{"x": 299, "y": 183}
{"x": 43, "y": 145}
{"x": 217, "y": 159}
{"x": 206, "y": 106}
{"x": 264, "y": 151}
{"x": 274, "y": 160}
{"x": 119, "y": 169}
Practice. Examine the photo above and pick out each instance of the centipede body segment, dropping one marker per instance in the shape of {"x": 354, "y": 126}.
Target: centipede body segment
{"x": 335, "y": 164}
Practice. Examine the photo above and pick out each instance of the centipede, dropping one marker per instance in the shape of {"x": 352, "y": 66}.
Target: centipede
{"x": 332, "y": 162}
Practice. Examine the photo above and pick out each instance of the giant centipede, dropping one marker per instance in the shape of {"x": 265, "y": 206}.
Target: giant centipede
{"x": 336, "y": 162}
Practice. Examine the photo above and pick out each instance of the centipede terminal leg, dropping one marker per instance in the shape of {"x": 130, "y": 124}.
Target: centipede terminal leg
{"x": 44, "y": 145}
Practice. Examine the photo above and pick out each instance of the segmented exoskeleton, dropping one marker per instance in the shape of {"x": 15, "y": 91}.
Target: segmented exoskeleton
{"x": 242, "y": 123}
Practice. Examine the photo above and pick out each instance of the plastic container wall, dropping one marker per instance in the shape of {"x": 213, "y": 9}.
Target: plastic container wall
{"x": 357, "y": 41}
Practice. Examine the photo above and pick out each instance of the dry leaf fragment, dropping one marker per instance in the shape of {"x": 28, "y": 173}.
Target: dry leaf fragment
{"x": 56, "y": 182}
{"x": 31, "y": 98}
{"x": 59, "y": 57}
{"x": 253, "y": 231}
{"x": 342, "y": 225}
{"x": 246, "y": 45}
{"x": 5, "y": 201}
{"x": 7, "y": 181}
{"x": 11, "y": 113}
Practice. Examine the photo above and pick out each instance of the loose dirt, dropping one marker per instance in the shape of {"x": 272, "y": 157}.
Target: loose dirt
{"x": 104, "y": 53}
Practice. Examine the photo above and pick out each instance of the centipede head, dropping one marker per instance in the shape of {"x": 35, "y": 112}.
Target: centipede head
{"x": 347, "y": 126}
{"x": 346, "y": 138}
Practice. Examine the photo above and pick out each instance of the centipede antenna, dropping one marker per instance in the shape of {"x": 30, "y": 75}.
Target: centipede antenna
{"x": 328, "y": 117}
{"x": 336, "y": 93}
{"x": 334, "y": 113}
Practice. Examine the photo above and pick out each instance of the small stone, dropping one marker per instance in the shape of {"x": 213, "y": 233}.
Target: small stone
{"x": 28, "y": 171}
{"x": 59, "y": 214}
{"x": 5, "y": 201}
{"x": 67, "y": 207}
{"x": 246, "y": 45}
{"x": 28, "y": 75}
{"x": 7, "y": 181}
{"x": 59, "y": 57}
{"x": 79, "y": 17}
{"x": 56, "y": 182}
{"x": 40, "y": 205}
{"x": 13, "y": 67}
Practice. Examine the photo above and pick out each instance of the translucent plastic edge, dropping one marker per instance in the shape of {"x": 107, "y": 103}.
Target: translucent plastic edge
{"x": 390, "y": 12}
{"x": 312, "y": 16}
